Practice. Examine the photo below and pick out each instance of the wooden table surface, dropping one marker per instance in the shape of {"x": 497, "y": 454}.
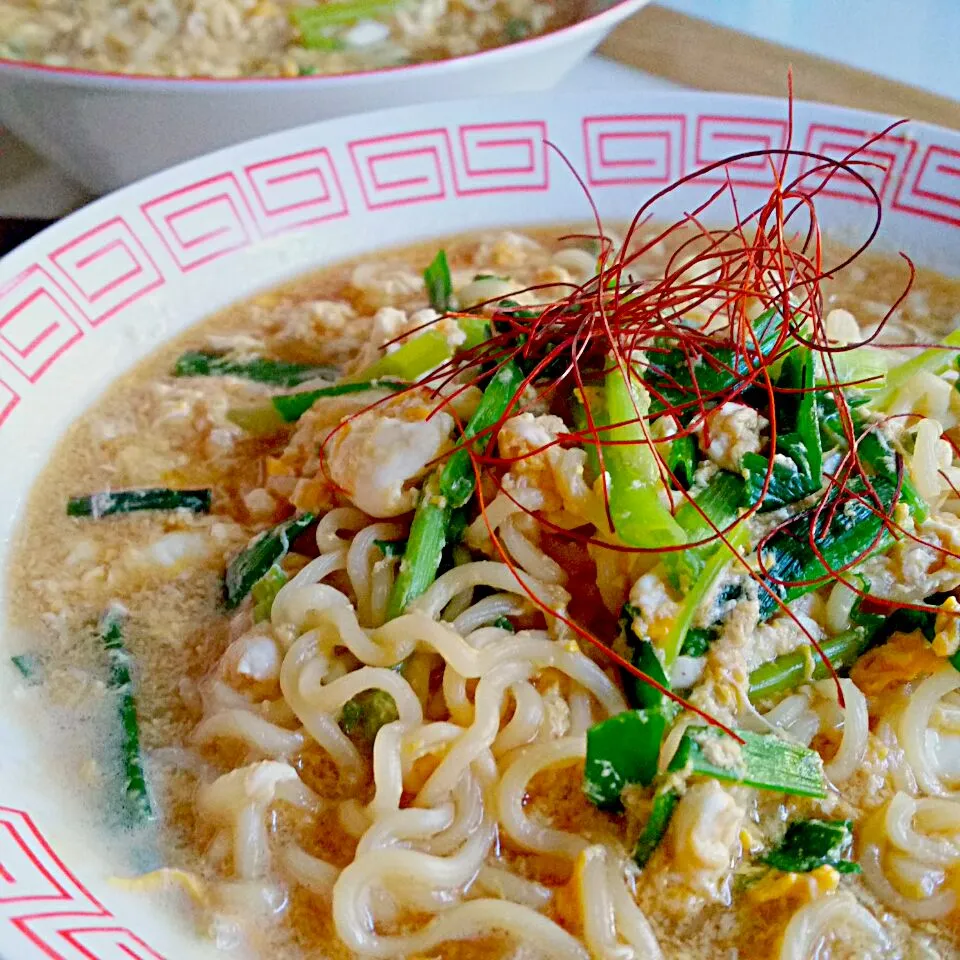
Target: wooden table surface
{"x": 702, "y": 55}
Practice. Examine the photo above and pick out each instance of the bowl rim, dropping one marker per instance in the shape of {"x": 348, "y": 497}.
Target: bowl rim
{"x": 74, "y": 76}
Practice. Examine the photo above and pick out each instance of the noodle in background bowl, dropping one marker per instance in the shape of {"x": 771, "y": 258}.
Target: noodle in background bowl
{"x": 87, "y": 299}
{"x": 106, "y": 130}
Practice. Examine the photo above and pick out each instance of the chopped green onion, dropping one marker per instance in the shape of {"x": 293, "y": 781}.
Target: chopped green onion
{"x": 424, "y": 550}
{"x": 933, "y": 360}
{"x": 316, "y": 24}
{"x": 644, "y": 657}
{"x": 682, "y": 460}
{"x": 763, "y": 761}
{"x": 253, "y": 563}
{"x": 665, "y": 801}
{"x": 864, "y": 366}
{"x": 722, "y": 554}
{"x": 504, "y": 624}
{"x": 719, "y": 369}
{"x": 517, "y": 30}
{"x": 199, "y": 363}
{"x": 111, "y": 502}
{"x": 265, "y": 591}
{"x": 791, "y": 669}
{"x": 697, "y": 641}
{"x": 639, "y": 517}
{"x": 809, "y": 844}
{"x": 855, "y": 531}
{"x": 426, "y": 351}
{"x": 621, "y": 750}
{"x": 268, "y": 419}
{"x": 29, "y": 665}
{"x": 136, "y": 795}
{"x": 458, "y": 480}
{"x": 439, "y": 283}
{"x": 720, "y": 502}
{"x": 364, "y": 715}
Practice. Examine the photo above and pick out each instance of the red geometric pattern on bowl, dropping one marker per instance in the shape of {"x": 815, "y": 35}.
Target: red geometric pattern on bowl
{"x": 634, "y": 149}
{"x": 107, "y": 268}
{"x": 9, "y": 398}
{"x": 719, "y": 137}
{"x": 889, "y": 157}
{"x": 296, "y": 191}
{"x": 403, "y": 168}
{"x": 502, "y": 157}
{"x": 202, "y": 222}
{"x": 932, "y": 188}
{"x": 50, "y": 906}
{"x": 38, "y": 322}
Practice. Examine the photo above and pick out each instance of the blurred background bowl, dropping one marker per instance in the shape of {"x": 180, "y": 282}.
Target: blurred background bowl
{"x": 107, "y": 130}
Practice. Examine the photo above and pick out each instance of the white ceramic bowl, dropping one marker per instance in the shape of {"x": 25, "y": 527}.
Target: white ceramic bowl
{"x": 106, "y": 130}
{"x": 88, "y": 298}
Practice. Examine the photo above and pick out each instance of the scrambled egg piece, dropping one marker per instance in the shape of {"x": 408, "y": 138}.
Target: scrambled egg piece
{"x": 904, "y": 657}
{"x": 729, "y": 432}
{"x": 946, "y": 640}
{"x": 655, "y": 605}
{"x": 798, "y": 888}
{"x": 383, "y": 284}
{"x": 518, "y": 440}
{"x": 376, "y": 456}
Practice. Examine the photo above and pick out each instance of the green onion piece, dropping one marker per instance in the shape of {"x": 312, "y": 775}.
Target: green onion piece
{"x": 421, "y": 559}
{"x": 719, "y": 369}
{"x": 934, "y": 360}
{"x": 457, "y": 479}
{"x": 364, "y": 715}
{"x": 517, "y": 30}
{"x": 422, "y": 353}
{"x": 682, "y": 460}
{"x": 788, "y": 483}
{"x": 792, "y": 669}
{"x": 809, "y": 844}
{"x": 639, "y": 517}
{"x": 697, "y": 641}
{"x": 855, "y": 531}
{"x": 720, "y": 500}
{"x": 621, "y": 750}
{"x": 391, "y": 548}
{"x": 765, "y": 762}
{"x": 665, "y": 801}
{"x": 439, "y": 283}
{"x": 504, "y": 624}
{"x": 268, "y": 419}
{"x": 253, "y": 563}
{"x": 738, "y": 540}
{"x": 875, "y": 451}
{"x": 293, "y": 406}
{"x": 136, "y": 795}
{"x": 29, "y": 665}
{"x": 265, "y": 591}
{"x": 112, "y": 502}
{"x": 316, "y": 23}
{"x": 199, "y": 363}
{"x": 865, "y": 366}
{"x": 644, "y": 658}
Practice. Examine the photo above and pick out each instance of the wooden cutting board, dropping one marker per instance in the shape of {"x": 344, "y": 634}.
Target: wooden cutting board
{"x": 701, "y": 55}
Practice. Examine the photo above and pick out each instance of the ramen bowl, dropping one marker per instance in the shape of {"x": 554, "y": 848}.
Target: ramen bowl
{"x": 106, "y": 130}
{"x": 85, "y": 301}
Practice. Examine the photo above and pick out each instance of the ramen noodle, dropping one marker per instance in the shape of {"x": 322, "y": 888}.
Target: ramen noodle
{"x": 265, "y": 38}
{"x": 474, "y": 603}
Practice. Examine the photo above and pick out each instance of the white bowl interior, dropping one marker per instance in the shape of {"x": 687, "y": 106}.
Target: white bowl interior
{"x": 88, "y": 298}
